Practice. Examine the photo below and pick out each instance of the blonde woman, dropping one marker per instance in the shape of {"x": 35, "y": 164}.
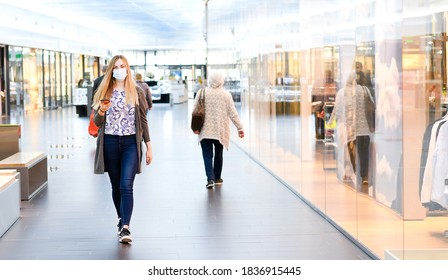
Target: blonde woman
{"x": 120, "y": 113}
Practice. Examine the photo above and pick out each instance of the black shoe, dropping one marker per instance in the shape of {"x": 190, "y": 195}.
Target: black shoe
{"x": 365, "y": 186}
{"x": 365, "y": 180}
{"x": 125, "y": 236}
{"x": 119, "y": 226}
{"x": 210, "y": 184}
{"x": 219, "y": 181}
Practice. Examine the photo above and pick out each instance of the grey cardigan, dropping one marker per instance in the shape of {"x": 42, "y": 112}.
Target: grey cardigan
{"x": 142, "y": 134}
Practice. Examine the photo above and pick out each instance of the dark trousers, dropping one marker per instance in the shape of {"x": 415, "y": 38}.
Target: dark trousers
{"x": 212, "y": 164}
{"x": 359, "y": 151}
{"x": 121, "y": 163}
{"x": 319, "y": 126}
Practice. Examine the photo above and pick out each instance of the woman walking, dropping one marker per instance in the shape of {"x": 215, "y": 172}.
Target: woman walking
{"x": 120, "y": 113}
{"x": 215, "y": 134}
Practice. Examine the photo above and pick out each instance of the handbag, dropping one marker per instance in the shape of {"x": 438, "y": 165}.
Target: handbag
{"x": 93, "y": 129}
{"x": 198, "y": 114}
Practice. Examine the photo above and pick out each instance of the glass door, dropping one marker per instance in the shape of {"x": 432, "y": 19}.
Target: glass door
{"x": 3, "y": 106}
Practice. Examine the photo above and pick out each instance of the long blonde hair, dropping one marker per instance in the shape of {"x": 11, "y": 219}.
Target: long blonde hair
{"x": 108, "y": 83}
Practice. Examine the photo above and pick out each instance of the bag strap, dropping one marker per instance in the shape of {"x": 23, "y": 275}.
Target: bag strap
{"x": 202, "y": 96}
{"x": 368, "y": 95}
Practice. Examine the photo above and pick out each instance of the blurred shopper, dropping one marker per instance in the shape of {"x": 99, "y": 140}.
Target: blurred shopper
{"x": 215, "y": 134}
{"x": 323, "y": 92}
{"x": 97, "y": 81}
{"x": 146, "y": 90}
{"x": 357, "y": 131}
{"x": 120, "y": 114}
{"x": 434, "y": 98}
{"x": 361, "y": 78}
{"x": 196, "y": 88}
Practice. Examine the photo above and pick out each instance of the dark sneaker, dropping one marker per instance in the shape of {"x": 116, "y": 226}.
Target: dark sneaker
{"x": 219, "y": 181}
{"x": 125, "y": 236}
{"x": 365, "y": 181}
{"x": 119, "y": 226}
{"x": 210, "y": 184}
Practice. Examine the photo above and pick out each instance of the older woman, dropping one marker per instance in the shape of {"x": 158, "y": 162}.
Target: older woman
{"x": 350, "y": 112}
{"x": 215, "y": 134}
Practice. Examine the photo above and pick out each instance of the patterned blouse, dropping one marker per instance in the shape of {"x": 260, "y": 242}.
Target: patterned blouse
{"x": 120, "y": 118}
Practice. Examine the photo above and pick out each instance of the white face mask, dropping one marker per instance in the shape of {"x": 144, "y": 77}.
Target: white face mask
{"x": 120, "y": 74}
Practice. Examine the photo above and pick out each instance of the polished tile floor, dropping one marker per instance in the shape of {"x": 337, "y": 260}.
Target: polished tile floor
{"x": 251, "y": 216}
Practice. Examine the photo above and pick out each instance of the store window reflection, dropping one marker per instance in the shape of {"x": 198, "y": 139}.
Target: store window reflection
{"x": 16, "y": 77}
{"x": 30, "y": 67}
{"x": 44, "y": 76}
{"x": 89, "y": 64}
{"x": 49, "y": 94}
{"x": 424, "y": 117}
{"x": 58, "y": 79}
{"x": 71, "y": 83}
{"x": 40, "y": 77}
{"x": 357, "y": 183}
{"x": 63, "y": 79}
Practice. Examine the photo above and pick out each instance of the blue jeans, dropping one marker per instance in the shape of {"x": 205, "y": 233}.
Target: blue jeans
{"x": 213, "y": 165}
{"x": 121, "y": 163}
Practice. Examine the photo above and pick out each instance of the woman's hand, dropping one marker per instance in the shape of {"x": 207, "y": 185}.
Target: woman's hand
{"x": 148, "y": 153}
{"x": 104, "y": 106}
{"x": 241, "y": 133}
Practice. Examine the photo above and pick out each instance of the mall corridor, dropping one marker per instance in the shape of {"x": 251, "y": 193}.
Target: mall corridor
{"x": 251, "y": 216}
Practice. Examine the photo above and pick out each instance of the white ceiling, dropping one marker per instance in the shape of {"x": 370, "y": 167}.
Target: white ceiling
{"x": 131, "y": 24}
{"x": 97, "y": 25}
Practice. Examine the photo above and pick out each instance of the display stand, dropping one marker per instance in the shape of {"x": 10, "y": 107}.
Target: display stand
{"x": 33, "y": 171}
{"x": 9, "y": 199}
{"x": 179, "y": 93}
{"x": 9, "y": 140}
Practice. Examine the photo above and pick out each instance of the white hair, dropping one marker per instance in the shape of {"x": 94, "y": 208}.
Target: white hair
{"x": 351, "y": 78}
{"x": 216, "y": 80}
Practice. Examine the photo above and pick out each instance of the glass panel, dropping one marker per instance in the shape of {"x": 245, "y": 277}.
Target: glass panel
{"x": 52, "y": 73}
{"x": 96, "y": 68}
{"x": 30, "y": 70}
{"x": 390, "y": 192}
{"x": 64, "y": 84}
{"x": 424, "y": 114}
{"x": 78, "y": 75}
{"x": 57, "y": 79}
{"x": 71, "y": 81}
{"x": 40, "y": 77}
{"x": 47, "y": 79}
{"x": 16, "y": 77}
{"x": 89, "y": 64}
{"x": 3, "y": 93}
{"x": 386, "y": 178}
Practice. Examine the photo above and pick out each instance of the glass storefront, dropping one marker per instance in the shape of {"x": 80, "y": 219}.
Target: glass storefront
{"x": 173, "y": 65}
{"x": 32, "y": 82}
{"x": 16, "y": 76}
{"x": 345, "y": 103}
{"x": 49, "y": 87}
{"x": 42, "y": 79}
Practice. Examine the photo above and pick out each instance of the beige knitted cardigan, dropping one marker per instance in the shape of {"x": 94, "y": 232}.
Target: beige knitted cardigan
{"x": 219, "y": 111}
